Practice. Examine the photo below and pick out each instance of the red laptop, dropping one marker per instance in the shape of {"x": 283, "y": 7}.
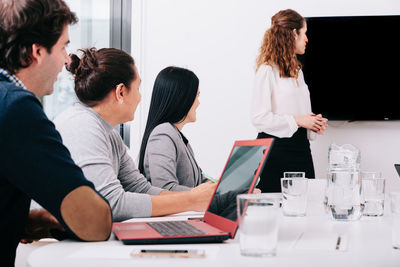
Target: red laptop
{"x": 219, "y": 223}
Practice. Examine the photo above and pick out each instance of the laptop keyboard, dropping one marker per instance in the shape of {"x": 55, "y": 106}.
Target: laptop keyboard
{"x": 176, "y": 228}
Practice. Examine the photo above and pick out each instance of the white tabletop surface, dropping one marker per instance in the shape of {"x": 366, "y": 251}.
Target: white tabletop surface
{"x": 366, "y": 242}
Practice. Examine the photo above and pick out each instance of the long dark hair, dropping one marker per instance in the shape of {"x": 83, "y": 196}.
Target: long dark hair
{"x": 100, "y": 71}
{"x": 174, "y": 92}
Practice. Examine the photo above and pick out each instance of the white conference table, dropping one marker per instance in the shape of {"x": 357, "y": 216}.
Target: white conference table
{"x": 366, "y": 242}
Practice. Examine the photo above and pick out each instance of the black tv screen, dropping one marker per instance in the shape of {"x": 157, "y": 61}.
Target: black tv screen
{"x": 352, "y": 67}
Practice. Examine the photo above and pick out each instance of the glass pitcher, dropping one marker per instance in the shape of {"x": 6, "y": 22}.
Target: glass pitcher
{"x": 343, "y": 192}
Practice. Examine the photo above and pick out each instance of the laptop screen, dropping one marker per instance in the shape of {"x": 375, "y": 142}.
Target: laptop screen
{"x": 236, "y": 179}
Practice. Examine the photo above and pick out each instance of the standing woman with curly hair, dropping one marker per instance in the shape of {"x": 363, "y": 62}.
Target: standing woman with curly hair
{"x": 281, "y": 106}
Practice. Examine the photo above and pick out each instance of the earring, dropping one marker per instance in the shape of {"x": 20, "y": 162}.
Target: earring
{"x": 121, "y": 101}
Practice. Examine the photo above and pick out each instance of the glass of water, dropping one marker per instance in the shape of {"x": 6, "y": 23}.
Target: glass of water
{"x": 258, "y": 216}
{"x": 370, "y": 175}
{"x": 294, "y": 174}
{"x": 373, "y": 194}
{"x": 294, "y": 196}
{"x": 344, "y": 201}
{"x": 395, "y": 208}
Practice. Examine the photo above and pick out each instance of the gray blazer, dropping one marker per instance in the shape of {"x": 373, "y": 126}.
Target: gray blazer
{"x": 169, "y": 163}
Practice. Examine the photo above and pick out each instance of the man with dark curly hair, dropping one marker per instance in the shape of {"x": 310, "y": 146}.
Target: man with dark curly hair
{"x": 34, "y": 164}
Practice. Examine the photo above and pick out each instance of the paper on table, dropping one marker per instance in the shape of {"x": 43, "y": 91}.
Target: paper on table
{"x": 102, "y": 252}
{"x": 123, "y": 252}
{"x": 321, "y": 241}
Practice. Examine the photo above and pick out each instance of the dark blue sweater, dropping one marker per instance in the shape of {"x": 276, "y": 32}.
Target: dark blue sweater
{"x": 34, "y": 164}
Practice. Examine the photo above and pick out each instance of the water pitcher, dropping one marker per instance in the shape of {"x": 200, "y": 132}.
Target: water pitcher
{"x": 343, "y": 193}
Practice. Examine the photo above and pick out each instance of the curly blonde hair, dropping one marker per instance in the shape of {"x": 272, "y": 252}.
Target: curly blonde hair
{"x": 279, "y": 43}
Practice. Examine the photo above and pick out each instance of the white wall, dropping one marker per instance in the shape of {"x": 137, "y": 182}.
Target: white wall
{"x": 219, "y": 41}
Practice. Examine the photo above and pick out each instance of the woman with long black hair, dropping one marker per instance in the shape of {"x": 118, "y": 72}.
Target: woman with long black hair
{"x": 166, "y": 157}
{"x": 107, "y": 86}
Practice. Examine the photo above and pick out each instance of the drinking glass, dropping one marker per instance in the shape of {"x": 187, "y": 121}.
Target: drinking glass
{"x": 258, "y": 216}
{"x": 373, "y": 194}
{"x": 294, "y": 174}
{"x": 370, "y": 175}
{"x": 395, "y": 208}
{"x": 344, "y": 201}
{"x": 294, "y": 196}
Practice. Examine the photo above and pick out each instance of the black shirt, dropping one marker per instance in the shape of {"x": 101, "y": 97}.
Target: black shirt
{"x": 34, "y": 164}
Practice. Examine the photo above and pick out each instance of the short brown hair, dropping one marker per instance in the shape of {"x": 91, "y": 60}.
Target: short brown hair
{"x": 279, "y": 43}
{"x": 27, "y": 22}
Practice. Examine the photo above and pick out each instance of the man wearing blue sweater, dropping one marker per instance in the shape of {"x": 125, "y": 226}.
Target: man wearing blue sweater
{"x": 34, "y": 164}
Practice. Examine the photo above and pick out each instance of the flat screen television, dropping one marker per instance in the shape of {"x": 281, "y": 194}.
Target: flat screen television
{"x": 352, "y": 67}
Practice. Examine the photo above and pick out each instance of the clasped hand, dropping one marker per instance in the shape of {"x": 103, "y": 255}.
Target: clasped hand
{"x": 315, "y": 123}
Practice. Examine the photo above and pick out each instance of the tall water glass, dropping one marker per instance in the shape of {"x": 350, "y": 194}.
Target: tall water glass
{"x": 294, "y": 196}
{"x": 370, "y": 175}
{"x": 294, "y": 174}
{"x": 344, "y": 195}
{"x": 395, "y": 208}
{"x": 258, "y": 216}
{"x": 373, "y": 194}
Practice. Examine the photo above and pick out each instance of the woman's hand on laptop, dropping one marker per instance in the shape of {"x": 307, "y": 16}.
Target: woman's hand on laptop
{"x": 256, "y": 191}
{"x": 202, "y": 195}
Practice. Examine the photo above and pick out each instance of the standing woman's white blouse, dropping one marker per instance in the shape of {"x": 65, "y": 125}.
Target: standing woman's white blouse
{"x": 277, "y": 100}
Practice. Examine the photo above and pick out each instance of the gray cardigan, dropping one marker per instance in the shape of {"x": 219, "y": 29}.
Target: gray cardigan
{"x": 169, "y": 162}
{"x": 99, "y": 150}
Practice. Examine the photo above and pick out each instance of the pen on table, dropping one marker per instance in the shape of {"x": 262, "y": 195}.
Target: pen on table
{"x": 209, "y": 177}
{"x": 171, "y": 253}
{"x": 338, "y": 242}
{"x": 164, "y": 251}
